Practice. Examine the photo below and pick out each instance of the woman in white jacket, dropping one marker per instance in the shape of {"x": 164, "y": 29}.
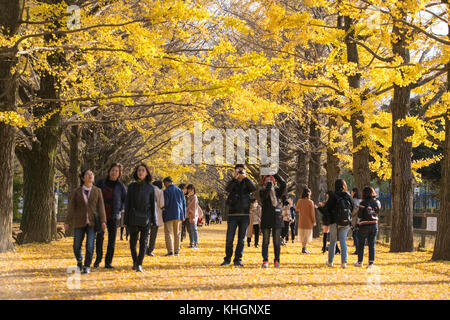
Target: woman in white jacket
{"x": 159, "y": 196}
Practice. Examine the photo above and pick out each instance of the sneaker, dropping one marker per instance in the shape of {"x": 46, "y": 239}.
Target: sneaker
{"x": 370, "y": 266}
{"x": 304, "y": 250}
{"x": 256, "y": 246}
{"x": 139, "y": 269}
{"x": 265, "y": 264}
{"x": 169, "y": 254}
{"x": 176, "y": 253}
{"x": 80, "y": 266}
{"x": 276, "y": 264}
{"x": 96, "y": 264}
{"x": 225, "y": 263}
{"x": 86, "y": 270}
{"x": 329, "y": 264}
{"x": 108, "y": 266}
{"x": 344, "y": 266}
{"x": 238, "y": 264}
{"x": 358, "y": 264}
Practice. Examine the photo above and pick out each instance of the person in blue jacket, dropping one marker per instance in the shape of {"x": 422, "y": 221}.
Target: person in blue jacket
{"x": 174, "y": 214}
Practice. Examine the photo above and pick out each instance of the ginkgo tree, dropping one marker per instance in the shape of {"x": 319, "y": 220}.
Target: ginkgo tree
{"x": 137, "y": 54}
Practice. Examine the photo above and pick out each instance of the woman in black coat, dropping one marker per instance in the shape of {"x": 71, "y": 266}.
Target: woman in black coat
{"x": 140, "y": 212}
{"x": 271, "y": 218}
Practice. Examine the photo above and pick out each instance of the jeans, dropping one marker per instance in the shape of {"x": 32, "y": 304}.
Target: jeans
{"x": 338, "y": 232}
{"x": 193, "y": 233}
{"x": 368, "y": 232}
{"x": 233, "y": 223}
{"x": 152, "y": 237}
{"x": 285, "y": 231}
{"x": 255, "y": 233}
{"x": 141, "y": 233}
{"x": 111, "y": 225}
{"x": 78, "y": 238}
{"x": 355, "y": 238}
{"x": 276, "y": 235}
{"x": 293, "y": 231}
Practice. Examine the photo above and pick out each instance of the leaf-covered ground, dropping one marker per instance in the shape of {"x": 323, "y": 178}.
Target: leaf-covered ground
{"x": 39, "y": 271}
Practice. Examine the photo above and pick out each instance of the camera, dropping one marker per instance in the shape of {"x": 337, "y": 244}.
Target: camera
{"x": 269, "y": 184}
{"x": 241, "y": 172}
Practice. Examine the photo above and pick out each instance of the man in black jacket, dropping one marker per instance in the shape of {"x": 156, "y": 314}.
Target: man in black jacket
{"x": 239, "y": 190}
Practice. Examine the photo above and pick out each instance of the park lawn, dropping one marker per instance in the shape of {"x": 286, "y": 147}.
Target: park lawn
{"x": 39, "y": 271}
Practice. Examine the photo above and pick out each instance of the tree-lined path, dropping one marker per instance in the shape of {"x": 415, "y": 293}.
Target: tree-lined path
{"x": 38, "y": 271}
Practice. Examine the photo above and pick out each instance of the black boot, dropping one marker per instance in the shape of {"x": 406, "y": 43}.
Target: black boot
{"x": 324, "y": 247}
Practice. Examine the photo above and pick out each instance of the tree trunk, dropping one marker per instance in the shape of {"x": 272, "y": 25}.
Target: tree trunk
{"x": 39, "y": 162}
{"x": 361, "y": 170}
{"x": 74, "y": 138}
{"x": 10, "y": 16}
{"x": 333, "y": 169}
{"x": 442, "y": 244}
{"x": 39, "y": 176}
{"x": 314, "y": 172}
{"x": 302, "y": 174}
{"x": 402, "y": 178}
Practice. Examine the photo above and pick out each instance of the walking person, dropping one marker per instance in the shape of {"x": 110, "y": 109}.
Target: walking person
{"x": 122, "y": 227}
{"x": 174, "y": 214}
{"x": 207, "y": 214}
{"x": 85, "y": 209}
{"x": 271, "y": 220}
{"x": 326, "y": 224}
{"x": 355, "y": 225}
{"x": 140, "y": 213}
{"x": 293, "y": 223}
{"x": 159, "y": 195}
{"x": 239, "y": 189}
{"x": 338, "y": 210}
{"x": 287, "y": 219}
{"x": 192, "y": 212}
{"x": 185, "y": 223}
{"x": 255, "y": 222}
{"x": 307, "y": 219}
{"x": 369, "y": 208}
{"x": 114, "y": 195}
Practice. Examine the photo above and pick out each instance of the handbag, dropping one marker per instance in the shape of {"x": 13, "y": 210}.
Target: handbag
{"x": 140, "y": 218}
{"x": 98, "y": 223}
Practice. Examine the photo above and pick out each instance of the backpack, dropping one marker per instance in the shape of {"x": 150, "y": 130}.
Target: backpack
{"x": 369, "y": 213}
{"x": 343, "y": 211}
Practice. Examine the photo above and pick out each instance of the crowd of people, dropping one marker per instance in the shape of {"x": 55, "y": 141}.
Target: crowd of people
{"x": 145, "y": 205}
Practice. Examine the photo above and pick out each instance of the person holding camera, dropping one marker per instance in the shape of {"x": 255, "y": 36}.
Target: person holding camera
{"x": 239, "y": 190}
{"x": 271, "y": 220}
